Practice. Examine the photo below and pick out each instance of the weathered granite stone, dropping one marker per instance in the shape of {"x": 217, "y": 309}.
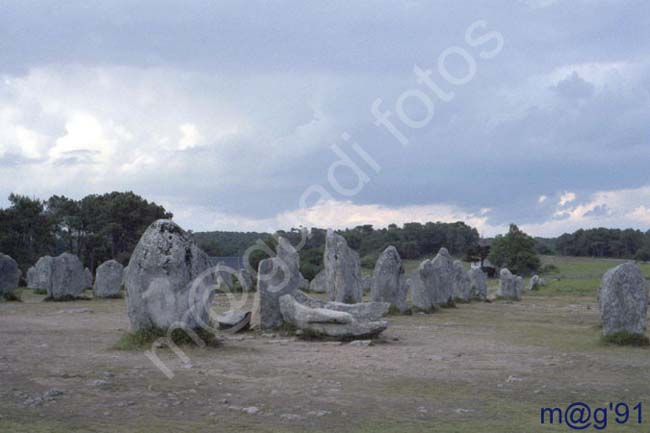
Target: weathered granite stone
{"x": 478, "y": 284}
{"x": 234, "y": 321}
{"x": 443, "y": 277}
{"x": 328, "y": 323}
{"x": 40, "y": 275}
{"x": 421, "y": 287}
{"x": 623, "y": 300}
{"x": 536, "y": 282}
{"x": 67, "y": 277}
{"x": 370, "y": 311}
{"x": 89, "y": 278}
{"x": 169, "y": 282}
{"x": 274, "y": 279}
{"x": 319, "y": 283}
{"x": 108, "y": 280}
{"x": 343, "y": 271}
{"x": 462, "y": 283}
{"x": 510, "y": 286}
{"x": 432, "y": 282}
{"x": 387, "y": 281}
{"x": 9, "y": 275}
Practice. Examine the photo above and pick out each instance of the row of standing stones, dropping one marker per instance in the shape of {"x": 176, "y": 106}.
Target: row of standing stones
{"x": 170, "y": 283}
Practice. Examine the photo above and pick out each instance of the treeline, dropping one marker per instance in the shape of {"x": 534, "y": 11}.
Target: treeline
{"x": 412, "y": 240}
{"x": 95, "y": 228}
{"x": 602, "y": 242}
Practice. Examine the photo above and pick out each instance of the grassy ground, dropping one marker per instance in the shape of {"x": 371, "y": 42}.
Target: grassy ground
{"x": 480, "y": 367}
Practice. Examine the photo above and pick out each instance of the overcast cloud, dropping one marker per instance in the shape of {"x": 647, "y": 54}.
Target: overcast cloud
{"x": 225, "y": 112}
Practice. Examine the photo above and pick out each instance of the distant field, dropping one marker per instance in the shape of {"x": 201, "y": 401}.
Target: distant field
{"x": 576, "y": 276}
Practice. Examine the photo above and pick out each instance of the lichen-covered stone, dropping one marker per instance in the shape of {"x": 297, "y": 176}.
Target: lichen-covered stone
{"x": 169, "y": 282}
{"x": 9, "y": 275}
{"x": 387, "y": 280}
{"x": 343, "y": 271}
{"x": 461, "y": 282}
{"x": 510, "y": 286}
{"x": 328, "y": 323}
{"x": 319, "y": 283}
{"x": 623, "y": 300}
{"x": 478, "y": 284}
{"x": 108, "y": 280}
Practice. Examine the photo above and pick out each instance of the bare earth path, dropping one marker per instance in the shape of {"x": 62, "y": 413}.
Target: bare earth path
{"x": 476, "y": 368}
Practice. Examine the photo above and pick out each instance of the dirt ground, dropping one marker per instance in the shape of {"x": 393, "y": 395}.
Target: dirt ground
{"x": 481, "y": 367}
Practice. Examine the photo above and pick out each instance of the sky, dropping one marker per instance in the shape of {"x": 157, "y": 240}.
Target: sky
{"x": 265, "y": 115}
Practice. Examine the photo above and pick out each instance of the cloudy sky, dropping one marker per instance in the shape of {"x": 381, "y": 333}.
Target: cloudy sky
{"x": 259, "y": 115}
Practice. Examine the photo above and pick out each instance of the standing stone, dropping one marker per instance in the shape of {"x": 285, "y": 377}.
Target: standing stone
{"x": 462, "y": 284}
{"x": 31, "y": 277}
{"x": 9, "y": 275}
{"x": 343, "y": 270}
{"x": 535, "y": 282}
{"x": 387, "y": 280}
{"x": 286, "y": 253}
{"x": 225, "y": 281}
{"x": 623, "y": 300}
{"x": 89, "y": 278}
{"x": 274, "y": 279}
{"x": 478, "y": 284}
{"x": 366, "y": 284}
{"x": 442, "y": 278}
{"x": 63, "y": 276}
{"x": 319, "y": 283}
{"x": 108, "y": 281}
{"x": 510, "y": 286}
{"x": 422, "y": 287}
{"x": 168, "y": 281}
{"x": 40, "y": 275}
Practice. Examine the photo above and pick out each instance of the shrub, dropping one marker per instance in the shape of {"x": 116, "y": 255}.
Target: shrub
{"x": 144, "y": 338}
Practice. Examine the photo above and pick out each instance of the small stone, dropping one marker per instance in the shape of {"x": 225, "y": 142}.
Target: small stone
{"x": 250, "y": 410}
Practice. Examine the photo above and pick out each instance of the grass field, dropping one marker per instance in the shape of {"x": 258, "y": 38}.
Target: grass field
{"x": 575, "y": 276}
{"x": 480, "y": 367}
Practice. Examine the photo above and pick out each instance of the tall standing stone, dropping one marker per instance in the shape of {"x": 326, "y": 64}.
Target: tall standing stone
{"x": 462, "y": 284}
{"x": 108, "y": 280}
{"x": 421, "y": 283}
{"x": 442, "y": 278}
{"x": 623, "y": 300}
{"x": 510, "y": 286}
{"x": 343, "y": 270}
{"x": 168, "y": 280}
{"x": 387, "y": 281}
{"x": 478, "y": 284}
{"x": 9, "y": 275}
{"x": 274, "y": 279}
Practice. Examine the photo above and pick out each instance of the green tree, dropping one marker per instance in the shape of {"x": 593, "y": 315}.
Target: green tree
{"x": 516, "y": 251}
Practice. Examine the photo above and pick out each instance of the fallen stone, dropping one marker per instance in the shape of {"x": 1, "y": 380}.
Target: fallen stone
{"x": 234, "y": 321}
{"x": 370, "y": 311}
{"x": 328, "y": 323}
